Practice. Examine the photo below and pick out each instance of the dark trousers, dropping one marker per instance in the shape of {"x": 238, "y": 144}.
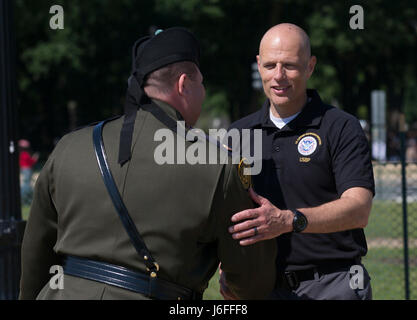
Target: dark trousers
{"x": 337, "y": 285}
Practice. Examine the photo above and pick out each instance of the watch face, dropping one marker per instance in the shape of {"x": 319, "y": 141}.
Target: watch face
{"x": 300, "y": 222}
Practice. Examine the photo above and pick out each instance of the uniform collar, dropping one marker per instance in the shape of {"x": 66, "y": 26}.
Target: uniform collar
{"x": 169, "y": 110}
{"x": 310, "y": 115}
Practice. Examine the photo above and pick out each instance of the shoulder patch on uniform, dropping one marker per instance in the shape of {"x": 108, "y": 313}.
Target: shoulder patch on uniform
{"x": 244, "y": 175}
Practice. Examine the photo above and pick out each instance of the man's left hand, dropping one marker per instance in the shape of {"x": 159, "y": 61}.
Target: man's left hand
{"x": 262, "y": 223}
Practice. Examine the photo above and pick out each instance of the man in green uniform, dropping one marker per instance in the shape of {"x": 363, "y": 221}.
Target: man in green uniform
{"x": 181, "y": 212}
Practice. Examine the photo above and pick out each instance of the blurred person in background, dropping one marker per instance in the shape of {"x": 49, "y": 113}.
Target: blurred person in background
{"x": 27, "y": 160}
{"x": 411, "y": 152}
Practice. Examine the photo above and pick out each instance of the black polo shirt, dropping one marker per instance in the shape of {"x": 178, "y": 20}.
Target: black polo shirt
{"x": 311, "y": 161}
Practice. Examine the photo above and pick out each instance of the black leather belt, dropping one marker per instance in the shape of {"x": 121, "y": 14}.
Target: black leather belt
{"x": 291, "y": 279}
{"x": 122, "y": 277}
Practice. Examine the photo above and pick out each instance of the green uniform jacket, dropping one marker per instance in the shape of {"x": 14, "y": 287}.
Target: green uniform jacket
{"x": 182, "y": 212}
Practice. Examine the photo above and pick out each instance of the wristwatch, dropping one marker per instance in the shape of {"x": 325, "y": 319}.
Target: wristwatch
{"x": 300, "y": 222}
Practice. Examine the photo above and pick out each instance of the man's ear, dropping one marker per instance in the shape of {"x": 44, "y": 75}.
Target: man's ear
{"x": 258, "y": 60}
{"x": 181, "y": 84}
{"x": 311, "y": 65}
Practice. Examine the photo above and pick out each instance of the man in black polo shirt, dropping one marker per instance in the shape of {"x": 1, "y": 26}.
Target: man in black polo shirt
{"x": 316, "y": 185}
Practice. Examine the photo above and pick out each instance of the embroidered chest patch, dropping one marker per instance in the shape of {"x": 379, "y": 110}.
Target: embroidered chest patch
{"x": 307, "y": 144}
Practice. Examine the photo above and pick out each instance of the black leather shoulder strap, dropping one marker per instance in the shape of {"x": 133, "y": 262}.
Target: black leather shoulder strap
{"x": 120, "y": 207}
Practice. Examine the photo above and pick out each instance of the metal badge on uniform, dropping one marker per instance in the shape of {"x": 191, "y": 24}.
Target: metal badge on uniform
{"x": 244, "y": 178}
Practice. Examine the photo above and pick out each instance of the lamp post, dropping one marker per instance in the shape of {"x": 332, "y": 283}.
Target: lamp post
{"x": 11, "y": 224}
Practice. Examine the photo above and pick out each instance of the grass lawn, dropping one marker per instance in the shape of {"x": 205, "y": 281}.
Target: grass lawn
{"x": 25, "y": 212}
{"x": 386, "y": 269}
{"x": 212, "y": 292}
{"x": 385, "y": 258}
{"x": 386, "y": 220}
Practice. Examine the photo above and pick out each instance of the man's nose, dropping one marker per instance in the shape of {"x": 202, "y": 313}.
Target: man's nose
{"x": 279, "y": 73}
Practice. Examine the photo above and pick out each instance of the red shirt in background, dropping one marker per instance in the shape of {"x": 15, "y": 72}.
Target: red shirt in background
{"x": 25, "y": 160}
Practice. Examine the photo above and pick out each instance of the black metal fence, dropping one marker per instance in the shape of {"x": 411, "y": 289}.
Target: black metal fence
{"x": 11, "y": 225}
{"x": 11, "y": 233}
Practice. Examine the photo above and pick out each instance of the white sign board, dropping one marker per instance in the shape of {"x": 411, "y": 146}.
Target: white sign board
{"x": 379, "y": 132}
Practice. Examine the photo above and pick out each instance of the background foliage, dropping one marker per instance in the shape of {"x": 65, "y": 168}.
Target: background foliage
{"x": 71, "y": 77}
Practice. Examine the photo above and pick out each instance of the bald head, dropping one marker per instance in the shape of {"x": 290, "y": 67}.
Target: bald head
{"x": 285, "y": 64}
{"x": 287, "y": 34}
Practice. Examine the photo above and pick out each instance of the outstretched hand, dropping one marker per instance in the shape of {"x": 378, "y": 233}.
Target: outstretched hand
{"x": 262, "y": 223}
